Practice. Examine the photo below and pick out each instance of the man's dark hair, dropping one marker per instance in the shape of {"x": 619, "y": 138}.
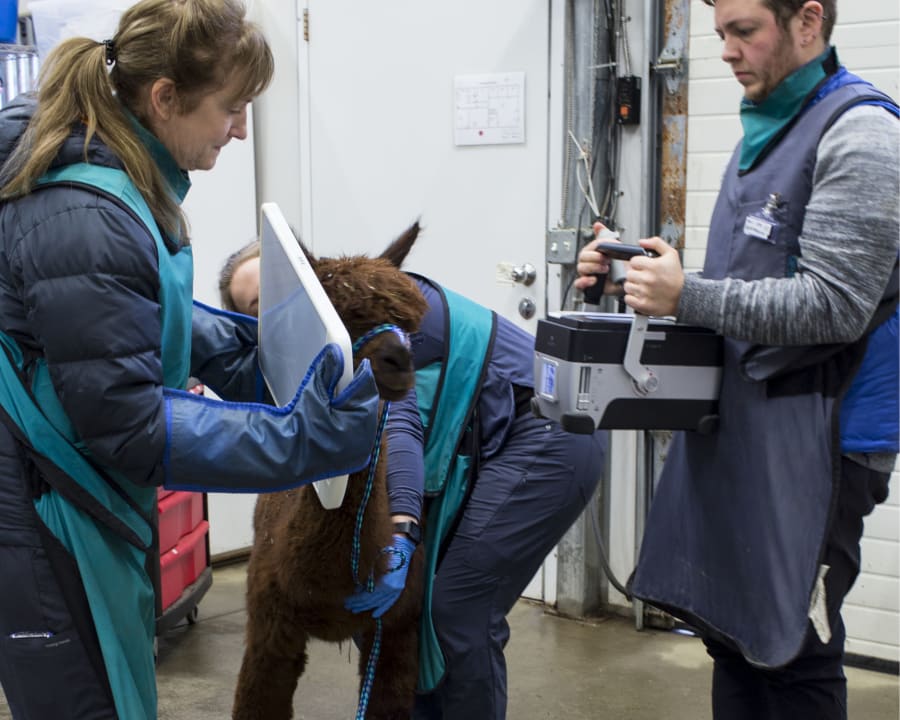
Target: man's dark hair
{"x": 784, "y": 10}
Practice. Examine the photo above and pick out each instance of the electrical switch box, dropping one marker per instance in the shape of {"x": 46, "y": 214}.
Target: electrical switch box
{"x": 628, "y": 100}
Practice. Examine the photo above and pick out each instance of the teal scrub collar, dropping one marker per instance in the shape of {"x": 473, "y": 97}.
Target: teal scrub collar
{"x": 176, "y": 177}
{"x": 765, "y": 121}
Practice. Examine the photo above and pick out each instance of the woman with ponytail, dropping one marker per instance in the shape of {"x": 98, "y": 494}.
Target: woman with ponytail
{"x": 99, "y": 336}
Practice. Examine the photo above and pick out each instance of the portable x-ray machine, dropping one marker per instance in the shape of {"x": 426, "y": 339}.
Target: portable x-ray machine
{"x": 623, "y": 371}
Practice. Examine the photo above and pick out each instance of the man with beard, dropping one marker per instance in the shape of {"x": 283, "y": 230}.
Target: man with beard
{"x": 753, "y": 536}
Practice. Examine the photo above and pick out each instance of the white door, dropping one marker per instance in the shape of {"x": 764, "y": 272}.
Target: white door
{"x": 437, "y": 112}
{"x": 388, "y": 91}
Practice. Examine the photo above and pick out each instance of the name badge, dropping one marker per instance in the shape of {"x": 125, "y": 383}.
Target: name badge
{"x": 758, "y": 227}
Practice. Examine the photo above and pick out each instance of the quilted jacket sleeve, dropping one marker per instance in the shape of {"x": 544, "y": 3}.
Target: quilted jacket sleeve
{"x": 224, "y": 354}
{"x": 86, "y": 274}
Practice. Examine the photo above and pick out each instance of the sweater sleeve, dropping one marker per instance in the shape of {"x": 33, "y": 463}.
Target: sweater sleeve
{"x": 848, "y": 247}
{"x": 406, "y": 465}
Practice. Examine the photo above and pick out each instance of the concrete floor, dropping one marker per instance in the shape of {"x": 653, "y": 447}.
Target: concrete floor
{"x": 558, "y": 668}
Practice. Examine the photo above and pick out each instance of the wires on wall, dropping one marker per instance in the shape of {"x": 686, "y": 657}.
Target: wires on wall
{"x": 596, "y": 55}
{"x": 594, "y": 37}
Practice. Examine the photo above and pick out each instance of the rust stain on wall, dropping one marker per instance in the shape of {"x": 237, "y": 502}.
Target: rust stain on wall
{"x": 673, "y": 173}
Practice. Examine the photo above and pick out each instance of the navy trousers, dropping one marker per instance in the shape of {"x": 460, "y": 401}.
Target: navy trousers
{"x": 813, "y": 686}
{"x": 523, "y": 501}
{"x": 51, "y": 667}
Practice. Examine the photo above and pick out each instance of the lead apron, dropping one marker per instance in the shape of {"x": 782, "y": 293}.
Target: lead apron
{"x": 108, "y": 535}
{"x": 738, "y": 523}
{"x": 450, "y": 446}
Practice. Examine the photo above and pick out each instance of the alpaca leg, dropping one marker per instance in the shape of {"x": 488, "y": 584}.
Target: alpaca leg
{"x": 274, "y": 660}
{"x": 394, "y": 683}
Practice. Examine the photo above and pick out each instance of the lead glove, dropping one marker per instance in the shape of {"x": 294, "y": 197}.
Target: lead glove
{"x": 212, "y": 445}
{"x": 389, "y": 585}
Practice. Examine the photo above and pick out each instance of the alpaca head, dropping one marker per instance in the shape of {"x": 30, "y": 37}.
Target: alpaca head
{"x": 369, "y": 293}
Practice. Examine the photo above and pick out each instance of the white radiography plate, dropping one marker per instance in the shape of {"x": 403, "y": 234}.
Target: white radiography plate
{"x": 296, "y": 320}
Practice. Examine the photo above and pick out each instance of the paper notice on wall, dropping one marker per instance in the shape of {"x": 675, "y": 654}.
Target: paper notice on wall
{"x": 490, "y": 109}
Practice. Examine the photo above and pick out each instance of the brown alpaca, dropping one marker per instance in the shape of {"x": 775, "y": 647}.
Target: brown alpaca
{"x": 299, "y": 572}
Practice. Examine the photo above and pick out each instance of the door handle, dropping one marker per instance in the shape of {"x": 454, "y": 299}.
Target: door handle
{"x": 524, "y": 274}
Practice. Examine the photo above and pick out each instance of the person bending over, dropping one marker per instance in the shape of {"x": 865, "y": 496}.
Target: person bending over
{"x": 507, "y": 497}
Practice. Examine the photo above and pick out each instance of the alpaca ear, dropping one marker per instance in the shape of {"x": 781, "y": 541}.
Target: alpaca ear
{"x": 398, "y": 250}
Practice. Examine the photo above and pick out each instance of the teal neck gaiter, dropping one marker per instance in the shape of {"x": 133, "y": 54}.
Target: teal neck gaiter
{"x": 763, "y": 122}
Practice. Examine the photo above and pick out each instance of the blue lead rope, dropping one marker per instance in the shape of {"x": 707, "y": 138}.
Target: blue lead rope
{"x": 369, "y": 678}
{"x": 387, "y": 327}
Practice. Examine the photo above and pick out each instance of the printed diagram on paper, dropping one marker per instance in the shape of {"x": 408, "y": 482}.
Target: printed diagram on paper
{"x": 490, "y": 109}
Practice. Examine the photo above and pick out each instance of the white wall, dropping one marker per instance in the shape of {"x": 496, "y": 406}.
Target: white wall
{"x": 277, "y": 132}
{"x": 867, "y": 37}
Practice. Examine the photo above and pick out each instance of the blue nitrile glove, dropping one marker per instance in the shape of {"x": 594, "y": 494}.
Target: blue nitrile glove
{"x": 389, "y": 585}
{"x": 212, "y": 445}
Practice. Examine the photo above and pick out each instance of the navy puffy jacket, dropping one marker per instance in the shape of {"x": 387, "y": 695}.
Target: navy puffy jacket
{"x": 79, "y": 286}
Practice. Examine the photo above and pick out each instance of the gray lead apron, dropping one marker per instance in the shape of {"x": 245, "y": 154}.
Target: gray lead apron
{"x": 740, "y": 517}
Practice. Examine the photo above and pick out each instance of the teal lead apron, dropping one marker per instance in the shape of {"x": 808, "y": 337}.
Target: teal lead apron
{"x": 108, "y": 532}
{"x": 446, "y": 418}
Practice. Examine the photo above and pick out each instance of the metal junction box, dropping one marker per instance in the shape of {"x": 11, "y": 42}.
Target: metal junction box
{"x": 623, "y": 371}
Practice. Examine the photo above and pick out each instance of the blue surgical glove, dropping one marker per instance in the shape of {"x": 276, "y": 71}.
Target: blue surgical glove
{"x": 389, "y": 585}
{"x": 217, "y": 446}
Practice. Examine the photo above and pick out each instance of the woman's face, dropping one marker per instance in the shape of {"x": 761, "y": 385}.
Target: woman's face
{"x": 195, "y": 138}
{"x": 245, "y": 287}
